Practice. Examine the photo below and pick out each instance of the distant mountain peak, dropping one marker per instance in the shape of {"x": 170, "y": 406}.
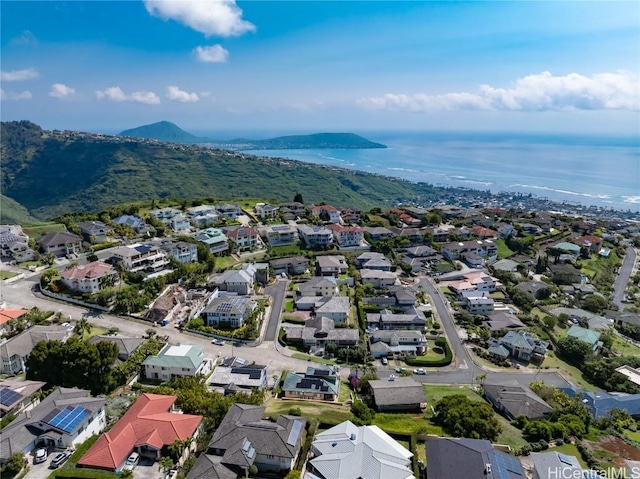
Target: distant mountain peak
{"x": 164, "y": 131}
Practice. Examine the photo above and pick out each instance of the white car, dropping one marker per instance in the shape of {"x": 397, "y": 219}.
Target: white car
{"x": 40, "y": 456}
{"x": 132, "y": 461}
{"x": 419, "y": 371}
{"x": 218, "y": 342}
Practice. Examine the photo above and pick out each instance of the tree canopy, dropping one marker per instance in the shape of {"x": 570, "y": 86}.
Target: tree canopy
{"x": 461, "y": 417}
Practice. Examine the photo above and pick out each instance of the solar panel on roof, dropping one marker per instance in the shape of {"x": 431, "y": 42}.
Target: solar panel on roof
{"x": 295, "y": 433}
{"x": 69, "y": 418}
{"x": 9, "y": 396}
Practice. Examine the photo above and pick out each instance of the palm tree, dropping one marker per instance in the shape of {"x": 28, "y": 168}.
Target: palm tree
{"x": 82, "y": 327}
{"x": 164, "y": 464}
{"x": 481, "y": 377}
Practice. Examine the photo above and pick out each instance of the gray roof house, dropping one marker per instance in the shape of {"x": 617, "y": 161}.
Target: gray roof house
{"x": 233, "y": 310}
{"x": 126, "y": 345}
{"x": 319, "y": 331}
{"x": 15, "y": 351}
{"x": 513, "y": 400}
{"x": 347, "y": 451}
{"x": 503, "y": 320}
{"x": 398, "y": 341}
{"x": 399, "y": 394}
{"x": 291, "y": 266}
{"x": 237, "y": 281}
{"x": 16, "y": 394}
{"x": 211, "y": 467}
{"x": 319, "y": 286}
{"x": 64, "y": 418}
{"x": 386, "y": 320}
{"x": 555, "y": 464}
{"x": 321, "y": 383}
{"x": 521, "y": 345}
{"x": 60, "y": 243}
{"x": 95, "y": 231}
{"x": 331, "y": 265}
{"x": 244, "y": 439}
{"x": 238, "y": 378}
{"x": 334, "y": 307}
{"x": 449, "y": 458}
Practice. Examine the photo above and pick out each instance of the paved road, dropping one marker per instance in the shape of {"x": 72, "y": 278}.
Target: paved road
{"x": 19, "y": 294}
{"x": 461, "y": 354}
{"x": 277, "y": 291}
{"x": 623, "y": 277}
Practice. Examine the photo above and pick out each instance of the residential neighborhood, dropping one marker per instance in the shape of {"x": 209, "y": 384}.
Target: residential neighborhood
{"x": 239, "y": 339}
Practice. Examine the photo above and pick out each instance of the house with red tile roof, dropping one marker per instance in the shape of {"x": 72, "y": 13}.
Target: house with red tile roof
{"x": 347, "y": 235}
{"x": 90, "y": 278}
{"x": 7, "y": 315}
{"x": 150, "y": 424}
{"x": 484, "y": 233}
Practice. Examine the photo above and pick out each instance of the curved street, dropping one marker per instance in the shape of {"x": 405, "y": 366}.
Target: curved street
{"x": 625, "y": 272}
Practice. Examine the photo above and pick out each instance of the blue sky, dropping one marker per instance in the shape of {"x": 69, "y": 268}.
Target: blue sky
{"x": 330, "y": 65}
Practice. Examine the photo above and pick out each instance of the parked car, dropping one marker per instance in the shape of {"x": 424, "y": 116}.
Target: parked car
{"x": 419, "y": 371}
{"x": 59, "y": 459}
{"x": 384, "y": 361}
{"x": 131, "y": 462}
{"x": 218, "y": 342}
{"x": 40, "y": 455}
{"x": 401, "y": 370}
{"x": 171, "y": 474}
{"x": 392, "y": 377}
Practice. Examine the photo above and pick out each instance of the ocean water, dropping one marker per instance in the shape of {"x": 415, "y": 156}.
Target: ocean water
{"x": 602, "y": 171}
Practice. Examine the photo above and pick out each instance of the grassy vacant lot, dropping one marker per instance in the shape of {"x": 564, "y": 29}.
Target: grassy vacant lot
{"x": 596, "y": 265}
{"x": 286, "y": 250}
{"x": 510, "y": 435}
{"x": 289, "y": 306}
{"x": 406, "y": 424}
{"x": 443, "y": 267}
{"x": 35, "y": 231}
{"x": 325, "y": 413}
{"x": 624, "y": 347}
{"x": 314, "y": 359}
{"x": 225, "y": 262}
{"x": 553, "y": 361}
{"x": 503, "y": 250}
{"x": 345, "y": 392}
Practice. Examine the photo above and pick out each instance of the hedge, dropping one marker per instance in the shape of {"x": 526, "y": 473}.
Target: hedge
{"x": 420, "y": 361}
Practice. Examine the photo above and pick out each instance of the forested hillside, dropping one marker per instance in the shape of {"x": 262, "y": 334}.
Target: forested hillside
{"x": 51, "y": 173}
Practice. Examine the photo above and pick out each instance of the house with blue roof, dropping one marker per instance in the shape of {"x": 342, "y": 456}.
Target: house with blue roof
{"x": 601, "y": 403}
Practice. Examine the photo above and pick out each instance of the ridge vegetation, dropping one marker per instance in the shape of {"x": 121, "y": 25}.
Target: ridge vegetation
{"x": 51, "y": 173}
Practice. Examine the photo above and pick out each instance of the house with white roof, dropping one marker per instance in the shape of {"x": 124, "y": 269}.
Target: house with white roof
{"x": 351, "y": 452}
{"x": 315, "y": 236}
{"x": 266, "y": 211}
{"x": 279, "y": 235}
{"x": 377, "y": 278}
{"x": 176, "y": 360}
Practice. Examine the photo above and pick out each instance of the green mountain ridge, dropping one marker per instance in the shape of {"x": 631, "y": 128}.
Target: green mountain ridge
{"x": 172, "y": 133}
{"x": 52, "y": 173}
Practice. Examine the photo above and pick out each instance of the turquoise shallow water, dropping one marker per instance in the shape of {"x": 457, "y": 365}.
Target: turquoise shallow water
{"x": 602, "y": 171}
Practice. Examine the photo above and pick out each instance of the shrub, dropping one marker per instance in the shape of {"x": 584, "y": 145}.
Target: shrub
{"x": 295, "y": 411}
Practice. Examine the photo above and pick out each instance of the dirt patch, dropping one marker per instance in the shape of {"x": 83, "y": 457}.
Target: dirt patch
{"x": 616, "y": 446}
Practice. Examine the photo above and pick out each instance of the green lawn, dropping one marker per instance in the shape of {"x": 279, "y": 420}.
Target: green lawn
{"x": 406, "y": 424}
{"x": 443, "y": 267}
{"x": 225, "y": 262}
{"x": 573, "y": 373}
{"x": 431, "y": 354}
{"x": 289, "y": 306}
{"x": 633, "y": 435}
{"x": 35, "y": 231}
{"x": 7, "y": 275}
{"x": 503, "y": 250}
{"x": 286, "y": 250}
{"x": 624, "y": 347}
{"x": 345, "y": 392}
{"x": 325, "y": 413}
{"x": 314, "y": 359}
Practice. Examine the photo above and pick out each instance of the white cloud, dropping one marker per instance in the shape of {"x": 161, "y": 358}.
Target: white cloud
{"x": 11, "y": 95}
{"x": 115, "y": 93}
{"x": 212, "y": 54}
{"x": 26, "y": 38}
{"x": 58, "y": 90}
{"x": 176, "y": 94}
{"x": 211, "y": 17}
{"x": 19, "y": 75}
{"x": 539, "y": 92}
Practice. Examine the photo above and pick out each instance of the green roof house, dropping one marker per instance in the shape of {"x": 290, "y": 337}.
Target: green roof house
{"x": 176, "y": 360}
{"x": 586, "y": 335}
